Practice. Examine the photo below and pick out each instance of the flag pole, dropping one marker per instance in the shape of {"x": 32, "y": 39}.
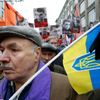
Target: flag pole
{"x": 46, "y": 65}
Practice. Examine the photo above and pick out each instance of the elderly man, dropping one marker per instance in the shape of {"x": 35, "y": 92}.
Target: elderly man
{"x": 20, "y": 59}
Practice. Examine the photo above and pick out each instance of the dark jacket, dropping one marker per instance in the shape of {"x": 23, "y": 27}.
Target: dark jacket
{"x": 93, "y": 95}
{"x": 60, "y": 88}
{"x": 57, "y": 68}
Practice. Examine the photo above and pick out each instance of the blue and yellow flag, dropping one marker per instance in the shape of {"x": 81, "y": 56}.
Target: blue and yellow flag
{"x": 82, "y": 68}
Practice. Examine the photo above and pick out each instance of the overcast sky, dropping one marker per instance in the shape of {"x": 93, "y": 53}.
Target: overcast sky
{"x": 53, "y": 7}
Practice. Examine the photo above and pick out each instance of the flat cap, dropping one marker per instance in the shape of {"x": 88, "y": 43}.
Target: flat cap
{"x": 48, "y": 47}
{"x": 20, "y": 31}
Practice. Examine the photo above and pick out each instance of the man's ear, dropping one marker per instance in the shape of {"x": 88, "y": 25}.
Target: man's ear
{"x": 37, "y": 53}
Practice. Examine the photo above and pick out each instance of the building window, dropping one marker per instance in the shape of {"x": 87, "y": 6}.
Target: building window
{"x": 90, "y": 2}
{"x": 83, "y": 21}
{"x": 82, "y": 7}
{"x": 92, "y": 16}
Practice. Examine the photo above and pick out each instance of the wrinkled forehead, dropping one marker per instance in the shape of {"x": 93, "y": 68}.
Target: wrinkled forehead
{"x": 16, "y": 40}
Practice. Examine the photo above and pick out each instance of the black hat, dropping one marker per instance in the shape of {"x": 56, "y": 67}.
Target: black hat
{"x": 20, "y": 31}
{"x": 49, "y": 47}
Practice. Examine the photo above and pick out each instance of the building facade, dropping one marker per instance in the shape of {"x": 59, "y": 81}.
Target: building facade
{"x": 66, "y": 11}
{"x": 89, "y": 12}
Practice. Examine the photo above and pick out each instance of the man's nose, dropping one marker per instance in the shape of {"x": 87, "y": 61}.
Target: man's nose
{"x": 4, "y": 57}
{"x": 47, "y": 57}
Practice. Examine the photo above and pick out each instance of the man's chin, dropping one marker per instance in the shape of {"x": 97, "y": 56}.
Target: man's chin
{"x": 9, "y": 76}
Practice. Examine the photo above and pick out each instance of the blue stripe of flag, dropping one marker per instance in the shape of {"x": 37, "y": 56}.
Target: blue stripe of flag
{"x": 95, "y": 78}
{"x": 91, "y": 36}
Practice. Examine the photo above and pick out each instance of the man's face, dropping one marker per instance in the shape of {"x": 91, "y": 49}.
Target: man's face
{"x": 41, "y": 16}
{"x": 54, "y": 41}
{"x": 19, "y": 58}
{"x": 47, "y": 55}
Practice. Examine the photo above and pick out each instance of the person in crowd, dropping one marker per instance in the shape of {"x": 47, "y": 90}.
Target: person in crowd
{"x": 21, "y": 53}
{"x": 54, "y": 41}
{"x": 49, "y": 51}
{"x": 60, "y": 40}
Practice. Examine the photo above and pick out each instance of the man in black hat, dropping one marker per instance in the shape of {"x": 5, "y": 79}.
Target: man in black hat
{"x": 49, "y": 51}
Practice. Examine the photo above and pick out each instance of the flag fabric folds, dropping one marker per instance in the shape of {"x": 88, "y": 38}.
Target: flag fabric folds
{"x": 82, "y": 68}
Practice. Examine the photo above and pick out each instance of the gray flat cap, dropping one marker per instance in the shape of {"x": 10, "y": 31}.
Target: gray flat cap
{"x": 20, "y": 31}
{"x": 48, "y": 47}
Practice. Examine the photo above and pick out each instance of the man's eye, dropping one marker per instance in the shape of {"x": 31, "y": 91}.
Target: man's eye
{"x": 1, "y": 51}
{"x": 14, "y": 49}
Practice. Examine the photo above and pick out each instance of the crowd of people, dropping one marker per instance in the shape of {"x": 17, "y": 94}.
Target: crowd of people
{"x": 22, "y": 54}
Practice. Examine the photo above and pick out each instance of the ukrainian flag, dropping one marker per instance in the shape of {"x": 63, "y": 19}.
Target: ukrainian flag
{"x": 82, "y": 68}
